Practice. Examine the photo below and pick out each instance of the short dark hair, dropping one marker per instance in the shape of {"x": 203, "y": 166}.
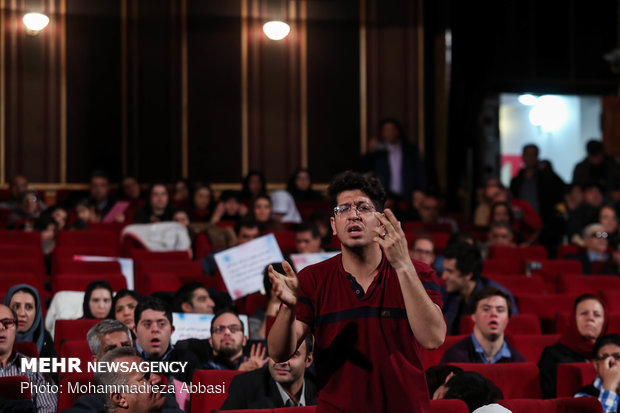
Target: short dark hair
{"x": 308, "y": 226}
{"x": 473, "y": 388}
{"x": 350, "y": 181}
{"x": 531, "y": 146}
{"x": 423, "y": 237}
{"x": 468, "y": 258}
{"x": 100, "y": 173}
{"x": 125, "y": 293}
{"x": 222, "y": 312}
{"x": 229, "y": 194}
{"x": 185, "y": 294}
{"x": 245, "y": 222}
{"x": 486, "y": 293}
{"x": 594, "y": 147}
{"x": 584, "y": 297}
{"x": 602, "y": 341}
{"x": 151, "y": 303}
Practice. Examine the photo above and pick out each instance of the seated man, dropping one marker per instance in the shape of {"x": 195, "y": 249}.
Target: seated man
{"x": 274, "y": 386}
{"x": 500, "y": 234}
{"x": 193, "y": 297}
{"x": 423, "y": 249}
{"x": 606, "y": 385}
{"x": 153, "y": 330}
{"x": 10, "y": 365}
{"x": 462, "y": 273}
{"x": 246, "y": 229}
{"x": 308, "y": 238}
{"x": 121, "y": 398}
{"x": 227, "y": 341}
{"x": 491, "y": 310}
{"x": 595, "y": 241}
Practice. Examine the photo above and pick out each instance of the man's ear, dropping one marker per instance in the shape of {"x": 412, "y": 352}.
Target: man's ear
{"x": 333, "y": 224}
{"x": 119, "y": 400}
{"x": 171, "y": 329}
{"x": 245, "y": 341}
{"x": 186, "y": 307}
{"x": 309, "y": 359}
{"x": 469, "y": 276}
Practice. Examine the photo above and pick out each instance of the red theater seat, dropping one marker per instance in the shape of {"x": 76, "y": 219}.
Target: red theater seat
{"x": 67, "y": 398}
{"x": 71, "y": 330}
{"x": 65, "y": 266}
{"x": 521, "y": 284}
{"x": 27, "y": 348}
{"x": 14, "y": 238}
{"x": 177, "y": 266}
{"x": 79, "y": 349}
{"x": 206, "y": 402}
{"x": 433, "y": 357}
{"x": 90, "y": 238}
{"x": 79, "y": 282}
{"x": 531, "y": 345}
{"x": 11, "y": 388}
{"x": 612, "y": 301}
{"x": 573, "y": 376}
{"x": 559, "y": 405}
{"x": 550, "y": 270}
{"x": 510, "y": 265}
{"x": 154, "y": 282}
{"x": 546, "y": 307}
{"x": 582, "y": 284}
{"x": 515, "y": 380}
{"x": 286, "y": 241}
{"x": 449, "y": 406}
{"x": 532, "y": 252}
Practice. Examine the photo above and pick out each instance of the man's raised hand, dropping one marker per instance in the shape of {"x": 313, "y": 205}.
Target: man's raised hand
{"x": 285, "y": 286}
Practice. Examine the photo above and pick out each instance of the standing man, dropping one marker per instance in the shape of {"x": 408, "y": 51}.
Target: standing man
{"x": 371, "y": 309}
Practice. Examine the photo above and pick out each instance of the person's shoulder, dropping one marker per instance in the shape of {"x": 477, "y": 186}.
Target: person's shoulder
{"x": 254, "y": 378}
{"x": 458, "y": 352}
{"x": 321, "y": 268}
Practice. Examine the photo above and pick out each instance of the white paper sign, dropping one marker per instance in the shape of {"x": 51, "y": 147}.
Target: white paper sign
{"x": 242, "y": 266}
{"x": 126, "y": 265}
{"x": 301, "y": 261}
{"x": 190, "y": 325}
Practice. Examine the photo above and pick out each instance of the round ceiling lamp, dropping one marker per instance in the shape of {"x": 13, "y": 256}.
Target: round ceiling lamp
{"x": 276, "y": 30}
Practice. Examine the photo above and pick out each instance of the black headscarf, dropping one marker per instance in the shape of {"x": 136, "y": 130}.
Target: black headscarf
{"x": 89, "y": 291}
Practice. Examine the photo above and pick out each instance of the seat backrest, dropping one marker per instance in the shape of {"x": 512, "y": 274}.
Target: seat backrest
{"x": 449, "y": 406}
{"x": 612, "y": 301}
{"x": 67, "y": 398}
{"x": 172, "y": 266}
{"x": 509, "y": 265}
{"x": 520, "y": 284}
{"x": 592, "y": 284}
{"x": 531, "y": 345}
{"x": 531, "y": 252}
{"x": 518, "y": 324}
{"x": 71, "y": 330}
{"x": 79, "y": 282}
{"x": 286, "y": 241}
{"x": 433, "y": 357}
{"x": 67, "y": 266}
{"x": 573, "y": 376}
{"x": 87, "y": 238}
{"x": 157, "y": 281}
{"x": 15, "y": 237}
{"x": 27, "y": 348}
{"x": 76, "y": 348}
{"x": 559, "y": 405}
{"x": 10, "y": 388}
{"x": 515, "y": 380}
{"x": 206, "y": 402}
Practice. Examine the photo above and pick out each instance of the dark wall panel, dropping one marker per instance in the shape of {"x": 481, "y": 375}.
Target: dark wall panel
{"x": 214, "y": 75}
{"x": 333, "y": 88}
{"x": 93, "y": 33}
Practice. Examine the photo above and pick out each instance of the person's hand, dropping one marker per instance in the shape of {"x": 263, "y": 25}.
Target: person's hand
{"x": 609, "y": 372}
{"x": 285, "y": 287}
{"x": 256, "y": 360}
{"x": 392, "y": 239}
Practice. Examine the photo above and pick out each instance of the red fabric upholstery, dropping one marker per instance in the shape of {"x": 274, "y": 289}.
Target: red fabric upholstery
{"x": 27, "y": 348}
{"x": 509, "y": 265}
{"x": 582, "y": 284}
{"x": 570, "y": 249}
{"x": 161, "y": 282}
{"x": 449, "y": 406}
{"x": 66, "y": 266}
{"x": 7, "y": 280}
{"x": 520, "y": 284}
{"x": 88, "y": 238}
{"x": 77, "y": 348}
{"x": 202, "y": 246}
{"x": 79, "y": 282}
{"x": 519, "y": 324}
{"x": 515, "y": 380}
{"x": 433, "y": 357}
{"x": 71, "y": 330}
{"x": 14, "y": 238}
{"x": 559, "y": 405}
{"x": 532, "y": 252}
{"x": 205, "y": 402}
{"x": 532, "y": 345}
{"x": 573, "y": 376}
{"x": 10, "y": 388}
{"x": 612, "y": 301}
{"x": 66, "y": 398}
{"x": 551, "y": 269}
{"x": 22, "y": 265}
{"x": 177, "y": 266}
{"x": 67, "y": 253}
{"x": 546, "y": 307}
{"x": 286, "y": 241}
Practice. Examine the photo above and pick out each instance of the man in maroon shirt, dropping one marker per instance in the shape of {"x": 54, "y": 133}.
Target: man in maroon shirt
{"x": 371, "y": 309}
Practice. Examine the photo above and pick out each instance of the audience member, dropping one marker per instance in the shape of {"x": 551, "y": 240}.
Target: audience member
{"x": 158, "y": 207}
{"x": 585, "y": 214}
{"x": 182, "y": 216}
{"x": 129, "y": 190}
{"x": 26, "y": 302}
{"x": 261, "y": 212}
{"x": 300, "y": 186}
{"x": 227, "y": 342}
{"x": 423, "y": 249}
{"x": 430, "y": 213}
{"x": 395, "y": 160}
{"x": 606, "y": 385}
{"x": 284, "y": 209}
{"x": 181, "y": 197}
{"x": 609, "y": 220}
{"x": 17, "y": 185}
{"x": 153, "y": 328}
{"x": 598, "y": 168}
{"x": 10, "y": 364}
{"x": 85, "y": 212}
{"x": 26, "y": 211}
{"x": 472, "y": 388}
{"x": 100, "y": 195}
{"x": 490, "y": 311}
{"x": 193, "y": 297}
{"x": 122, "y": 398}
{"x": 541, "y": 188}
{"x": 98, "y": 300}
{"x": 229, "y": 207}
{"x": 124, "y": 304}
{"x": 500, "y": 234}
{"x": 275, "y": 385}
{"x": 308, "y": 238}
{"x": 58, "y": 214}
{"x": 588, "y": 321}
{"x": 253, "y": 185}
{"x": 436, "y": 378}
{"x": 48, "y": 228}
{"x": 246, "y": 230}
{"x": 462, "y": 275}
{"x": 556, "y": 226}
{"x": 595, "y": 243}
{"x": 203, "y": 203}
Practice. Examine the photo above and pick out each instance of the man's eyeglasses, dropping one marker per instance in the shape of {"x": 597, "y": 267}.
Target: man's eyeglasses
{"x": 7, "y": 322}
{"x": 602, "y": 357}
{"x": 234, "y": 328}
{"x": 599, "y": 235}
{"x": 362, "y": 208}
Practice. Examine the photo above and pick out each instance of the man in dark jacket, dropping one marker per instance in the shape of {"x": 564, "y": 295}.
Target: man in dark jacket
{"x": 276, "y": 385}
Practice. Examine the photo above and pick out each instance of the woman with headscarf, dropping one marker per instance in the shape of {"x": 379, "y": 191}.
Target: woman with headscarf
{"x": 300, "y": 186}
{"x": 283, "y": 207}
{"x": 98, "y": 300}
{"x": 26, "y": 302}
{"x": 124, "y": 304}
{"x": 588, "y": 322}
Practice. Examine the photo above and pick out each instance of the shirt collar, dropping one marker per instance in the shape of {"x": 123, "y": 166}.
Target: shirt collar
{"x": 142, "y": 353}
{"x": 504, "y": 351}
{"x": 286, "y": 397}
